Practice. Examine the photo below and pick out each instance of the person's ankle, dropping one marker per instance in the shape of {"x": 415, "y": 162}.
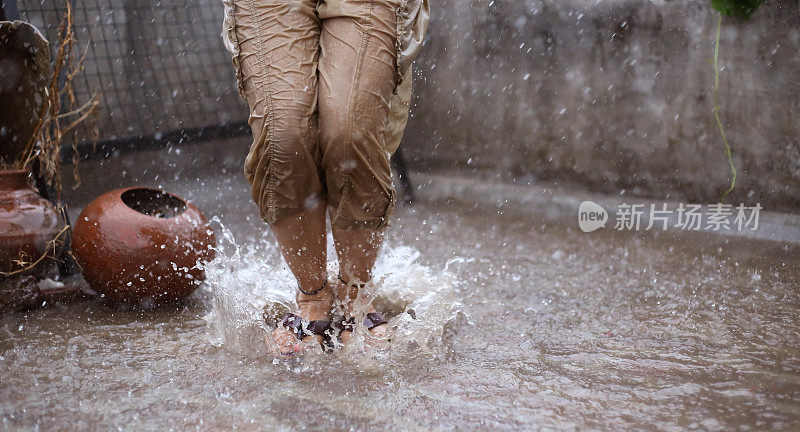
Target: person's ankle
{"x": 346, "y": 293}
{"x": 355, "y": 279}
{"x": 320, "y": 293}
{"x": 348, "y": 288}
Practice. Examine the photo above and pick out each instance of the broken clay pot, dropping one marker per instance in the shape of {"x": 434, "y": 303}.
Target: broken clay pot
{"x": 142, "y": 247}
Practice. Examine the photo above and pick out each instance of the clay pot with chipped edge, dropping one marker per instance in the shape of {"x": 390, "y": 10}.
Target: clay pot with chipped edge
{"x": 142, "y": 247}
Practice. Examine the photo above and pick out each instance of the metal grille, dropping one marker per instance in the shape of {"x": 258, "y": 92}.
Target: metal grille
{"x": 160, "y": 66}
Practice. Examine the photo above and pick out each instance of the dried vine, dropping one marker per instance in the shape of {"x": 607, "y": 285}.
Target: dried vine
{"x": 738, "y": 8}
{"x": 45, "y": 143}
{"x": 717, "y": 107}
{"x": 51, "y": 250}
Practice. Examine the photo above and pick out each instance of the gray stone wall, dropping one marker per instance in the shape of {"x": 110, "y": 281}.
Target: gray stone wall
{"x": 612, "y": 96}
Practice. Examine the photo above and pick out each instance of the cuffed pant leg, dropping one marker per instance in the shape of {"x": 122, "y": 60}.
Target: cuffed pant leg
{"x": 357, "y": 80}
{"x": 278, "y": 49}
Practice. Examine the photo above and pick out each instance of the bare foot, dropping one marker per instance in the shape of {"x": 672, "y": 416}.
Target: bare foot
{"x": 375, "y": 336}
{"x": 285, "y": 342}
{"x": 347, "y": 297}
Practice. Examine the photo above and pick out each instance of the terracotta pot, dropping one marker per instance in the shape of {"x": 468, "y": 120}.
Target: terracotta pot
{"x": 141, "y": 247}
{"x": 28, "y": 223}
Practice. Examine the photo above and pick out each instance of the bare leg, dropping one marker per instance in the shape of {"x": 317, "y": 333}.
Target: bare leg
{"x": 302, "y": 242}
{"x": 357, "y": 250}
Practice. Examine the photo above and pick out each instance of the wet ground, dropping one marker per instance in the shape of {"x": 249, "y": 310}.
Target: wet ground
{"x": 562, "y": 330}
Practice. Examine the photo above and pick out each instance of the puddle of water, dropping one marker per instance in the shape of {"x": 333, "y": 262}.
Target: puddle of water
{"x": 569, "y": 331}
{"x": 249, "y": 288}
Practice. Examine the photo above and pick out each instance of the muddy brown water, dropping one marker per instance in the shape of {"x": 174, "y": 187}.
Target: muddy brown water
{"x": 562, "y": 330}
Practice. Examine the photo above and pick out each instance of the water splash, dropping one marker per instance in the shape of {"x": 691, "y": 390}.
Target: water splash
{"x": 248, "y": 287}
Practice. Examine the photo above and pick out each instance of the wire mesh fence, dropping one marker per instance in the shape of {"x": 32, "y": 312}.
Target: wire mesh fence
{"x": 159, "y": 67}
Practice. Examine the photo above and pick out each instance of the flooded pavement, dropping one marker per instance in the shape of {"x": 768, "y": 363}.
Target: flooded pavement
{"x": 532, "y": 324}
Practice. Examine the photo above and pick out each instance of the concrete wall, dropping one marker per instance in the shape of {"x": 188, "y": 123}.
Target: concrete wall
{"x": 612, "y": 95}
{"x": 605, "y": 95}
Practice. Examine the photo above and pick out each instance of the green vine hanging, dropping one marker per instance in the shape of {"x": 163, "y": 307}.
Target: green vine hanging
{"x": 730, "y": 8}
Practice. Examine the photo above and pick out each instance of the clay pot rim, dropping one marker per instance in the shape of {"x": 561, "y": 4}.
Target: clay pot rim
{"x": 117, "y": 194}
{"x": 11, "y": 172}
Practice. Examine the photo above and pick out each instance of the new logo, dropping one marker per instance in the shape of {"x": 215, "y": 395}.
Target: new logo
{"x": 591, "y": 216}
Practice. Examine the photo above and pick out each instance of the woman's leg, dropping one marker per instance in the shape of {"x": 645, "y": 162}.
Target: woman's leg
{"x": 301, "y": 238}
{"x": 357, "y": 79}
{"x": 357, "y": 251}
{"x": 302, "y": 241}
{"x": 278, "y": 44}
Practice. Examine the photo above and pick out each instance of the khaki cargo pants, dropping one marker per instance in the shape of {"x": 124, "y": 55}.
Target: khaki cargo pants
{"x": 328, "y": 83}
